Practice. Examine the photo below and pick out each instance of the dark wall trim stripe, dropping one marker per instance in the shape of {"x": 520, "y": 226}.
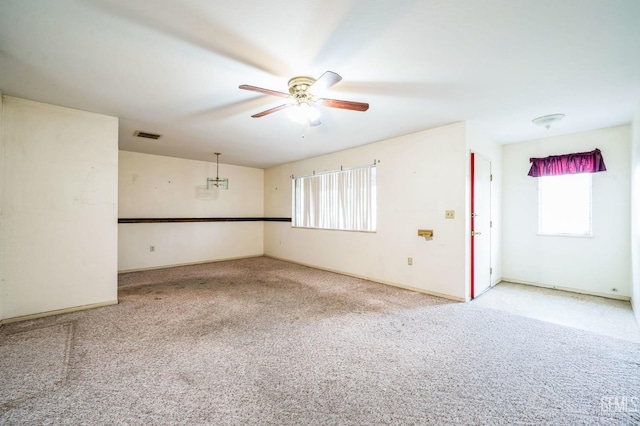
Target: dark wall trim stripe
{"x": 204, "y": 219}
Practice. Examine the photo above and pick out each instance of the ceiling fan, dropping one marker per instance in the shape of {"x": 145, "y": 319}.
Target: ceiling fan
{"x": 301, "y": 97}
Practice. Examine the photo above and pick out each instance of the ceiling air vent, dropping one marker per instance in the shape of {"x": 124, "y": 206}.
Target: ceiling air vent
{"x": 147, "y": 135}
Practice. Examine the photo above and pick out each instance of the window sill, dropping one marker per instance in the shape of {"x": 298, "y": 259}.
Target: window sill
{"x": 334, "y": 229}
{"x": 566, "y": 235}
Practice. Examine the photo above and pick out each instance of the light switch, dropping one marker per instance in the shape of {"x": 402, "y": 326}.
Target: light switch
{"x": 450, "y": 214}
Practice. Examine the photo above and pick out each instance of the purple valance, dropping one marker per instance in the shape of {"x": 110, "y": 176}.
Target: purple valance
{"x": 568, "y": 164}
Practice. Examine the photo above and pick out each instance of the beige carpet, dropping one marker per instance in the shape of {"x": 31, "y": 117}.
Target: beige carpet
{"x": 260, "y": 341}
{"x": 608, "y": 317}
{"x": 33, "y": 361}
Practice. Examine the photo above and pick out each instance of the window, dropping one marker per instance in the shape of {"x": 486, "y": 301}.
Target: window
{"x": 564, "y": 204}
{"x": 344, "y": 200}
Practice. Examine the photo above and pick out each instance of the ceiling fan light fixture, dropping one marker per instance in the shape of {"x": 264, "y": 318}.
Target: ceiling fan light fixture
{"x": 547, "y": 121}
{"x": 303, "y": 113}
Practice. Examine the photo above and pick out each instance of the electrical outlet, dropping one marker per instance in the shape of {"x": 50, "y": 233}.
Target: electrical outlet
{"x": 410, "y": 261}
{"x": 450, "y": 214}
{"x": 152, "y": 248}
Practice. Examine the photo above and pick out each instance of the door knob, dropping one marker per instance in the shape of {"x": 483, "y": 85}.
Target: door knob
{"x": 474, "y": 233}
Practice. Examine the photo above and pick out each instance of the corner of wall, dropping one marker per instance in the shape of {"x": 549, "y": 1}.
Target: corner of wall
{"x": 2, "y": 180}
{"x": 635, "y": 214}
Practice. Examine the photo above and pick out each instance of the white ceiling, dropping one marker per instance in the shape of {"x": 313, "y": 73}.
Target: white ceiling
{"x": 173, "y": 67}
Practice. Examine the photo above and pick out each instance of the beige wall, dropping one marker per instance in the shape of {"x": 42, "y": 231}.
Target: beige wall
{"x": 58, "y": 212}
{"x": 58, "y": 223}
{"x": 592, "y": 265}
{"x": 153, "y": 186}
{"x": 635, "y": 214}
{"x": 419, "y": 176}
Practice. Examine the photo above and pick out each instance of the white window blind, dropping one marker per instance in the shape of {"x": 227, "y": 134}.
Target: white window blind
{"x": 343, "y": 200}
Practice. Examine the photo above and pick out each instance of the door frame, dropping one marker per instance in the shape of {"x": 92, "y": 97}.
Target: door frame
{"x": 472, "y": 256}
{"x": 472, "y": 174}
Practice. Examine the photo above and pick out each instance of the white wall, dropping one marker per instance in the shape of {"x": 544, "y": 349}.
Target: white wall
{"x": 58, "y": 208}
{"x": 419, "y": 177}
{"x": 479, "y": 142}
{"x": 635, "y": 214}
{"x": 3, "y": 293}
{"x": 153, "y": 186}
{"x": 592, "y": 265}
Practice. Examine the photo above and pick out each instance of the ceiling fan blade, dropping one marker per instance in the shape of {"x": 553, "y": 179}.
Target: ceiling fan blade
{"x": 270, "y": 111}
{"x": 264, "y": 91}
{"x": 326, "y": 80}
{"x": 335, "y": 103}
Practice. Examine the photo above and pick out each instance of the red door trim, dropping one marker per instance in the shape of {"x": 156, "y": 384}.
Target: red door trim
{"x": 473, "y": 208}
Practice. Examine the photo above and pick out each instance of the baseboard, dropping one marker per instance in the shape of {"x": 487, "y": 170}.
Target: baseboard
{"x": 174, "y": 265}
{"x": 569, "y": 289}
{"x": 58, "y": 312}
{"x": 375, "y": 280}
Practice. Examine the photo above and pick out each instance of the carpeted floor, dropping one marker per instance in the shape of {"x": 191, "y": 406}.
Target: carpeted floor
{"x": 608, "y": 317}
{"x": 260, "y": 341}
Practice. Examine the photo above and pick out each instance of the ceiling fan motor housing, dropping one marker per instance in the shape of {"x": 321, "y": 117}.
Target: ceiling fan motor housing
{"x": 298, "y": 87}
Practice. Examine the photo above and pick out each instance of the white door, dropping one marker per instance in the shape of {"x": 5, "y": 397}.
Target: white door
{"x": 480, "y": 225}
